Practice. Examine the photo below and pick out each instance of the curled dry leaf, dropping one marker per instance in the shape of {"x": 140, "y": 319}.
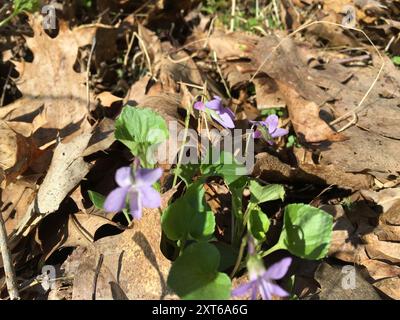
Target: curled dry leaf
{"x": 16, "y": 151}
{"x": 66, "y": 170}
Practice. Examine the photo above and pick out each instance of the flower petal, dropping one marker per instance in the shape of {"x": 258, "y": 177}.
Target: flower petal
{"x": 135, "y": 205}
{"x": 199, "y": 106}
{"x": 279, "y": 132}
{"x": 214, "y": 104}
{"x": 278, "y": 270}
{"x": 257, "y": 134}
{"x": 150, "y": 197}
{"x": 243, "y": 289}
{"x": 146, "y": 177}
{"x": 271, "y": 122}
{"x": 277, "y": 290}
{"x": 265, "y": 289}
{"x": 123, "y": 177}
{"x": 116, "y": 200}
{"x": 224, "y": 118}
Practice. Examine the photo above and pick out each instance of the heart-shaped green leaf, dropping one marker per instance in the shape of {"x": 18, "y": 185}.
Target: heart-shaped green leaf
{"x": 258, "y": 223}
{"x": 307, "y": 231}
{"x": 194, "y": 275}
{"x": 189, "y": 215}
{"x": 140, "y": 129}
{"x": 225, "y": 166}
{"x": 260, "y": 194}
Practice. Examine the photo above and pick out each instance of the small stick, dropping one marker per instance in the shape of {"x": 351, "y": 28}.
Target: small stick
{"x": 233, "y": 11}
{"x": 364, "y": 57}
{"x": 96, "y": 276}
{"x": 7, "y": 262}
{"x": 221, "y": 75}
{"x": 88, "y": 75}
{"x": 97, "y": 25}
{"x": 5, "y": 88}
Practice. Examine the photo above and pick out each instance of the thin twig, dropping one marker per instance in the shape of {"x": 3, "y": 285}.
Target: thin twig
{"x": 9, "y": 271}
{"x": 128, "y": 51}
{"x": 96, "y": 276}
{"x": 233, "y": 11}
{"x": 5, "y": 88}
{"x": 98, "y": 25}
{"x": 88, "y": 75}
{"x": 221, "y": 75}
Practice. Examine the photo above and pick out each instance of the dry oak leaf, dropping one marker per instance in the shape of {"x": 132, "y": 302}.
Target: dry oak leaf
{"x": 133, "y": 263}
{"x": 50, "y": 81}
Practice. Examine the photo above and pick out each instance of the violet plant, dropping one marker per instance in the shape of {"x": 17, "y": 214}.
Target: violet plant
{"x": 202, "y": 266}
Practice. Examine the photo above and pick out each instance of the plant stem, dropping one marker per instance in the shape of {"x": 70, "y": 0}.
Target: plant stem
{"x": 276, "y": 247}
{"x": 239, "y": 257}
{"x": 185, "y": 134}
{"x": 7, "y": 20}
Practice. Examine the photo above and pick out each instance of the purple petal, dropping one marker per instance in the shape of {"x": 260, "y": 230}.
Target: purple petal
{"x": 271, "y": 122}
{"x": 257, "y": 134}
{"x": 278, "y": 270}
{"x": 265, "y": 289}
{"x": 243, "y": 289}
{"x": 279, "y": 132}
{"x": 116, "y": 200}
{"x": 278, "y": 291}
{"x": 150, "y": 197}
{"x": 225, "y": 118}
{"x": 123, "y": 177}
{"x": 215, "y": 104}
{"x": 199, "y": 106}
{"x": 146, "y": 177}
{"x": 135, "y": 205}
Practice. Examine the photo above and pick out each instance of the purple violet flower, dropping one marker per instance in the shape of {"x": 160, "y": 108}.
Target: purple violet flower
{"x": 136, "y": 188}
{"x": 262, "y": 280}
{"x": 224, "y": 116}
{"x": 268, "y": 129}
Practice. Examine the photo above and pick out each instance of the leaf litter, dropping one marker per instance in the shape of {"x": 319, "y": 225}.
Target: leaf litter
{"x": 57, "y": 142}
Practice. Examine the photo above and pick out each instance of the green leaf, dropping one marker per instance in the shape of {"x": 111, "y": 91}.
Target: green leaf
{"x": 228, "y": 254}
{"x": 396, "y": 60}
{"x": 307, "y": 231}
{"x": 189, "y": 215}
{"x": 258, "y": 223}
{"x": 194, "y": 275}
{"x": 139, "y": 129}
{"x": 187, "y": 171}
{"x": 237, "y": 188}
{"x": 25, "y": 5}
{"x": 224, "y": 166}
{"x": 260, "y": 194}
{"x": 97, "y": 199}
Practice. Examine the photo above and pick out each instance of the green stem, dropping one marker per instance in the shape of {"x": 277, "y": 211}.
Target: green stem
{"x": 178, "y": 165}
{"x": 6, "y": 20}
{"x": 276, "y": 247}
{"x": 239, "y": 257}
